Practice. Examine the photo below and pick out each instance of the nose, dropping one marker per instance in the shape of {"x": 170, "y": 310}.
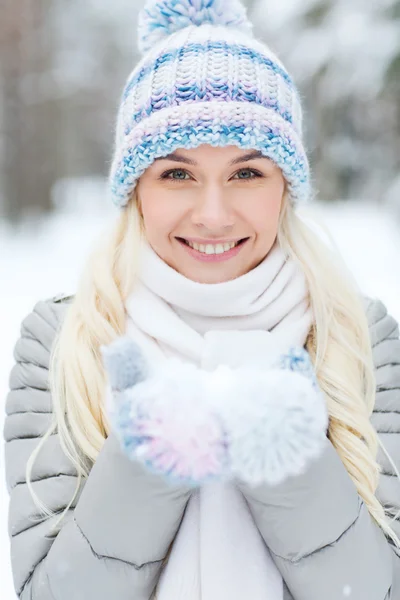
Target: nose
{"x": 213, "y": 209}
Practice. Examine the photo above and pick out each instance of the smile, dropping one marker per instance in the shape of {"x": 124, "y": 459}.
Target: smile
{"x": 213, "y": 252}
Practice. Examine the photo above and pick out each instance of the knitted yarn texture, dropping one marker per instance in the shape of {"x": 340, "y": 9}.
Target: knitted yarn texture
{"x": 204, "y": 79}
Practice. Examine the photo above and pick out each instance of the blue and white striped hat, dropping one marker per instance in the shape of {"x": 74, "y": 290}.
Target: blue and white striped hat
{"x": 204, "y": 79}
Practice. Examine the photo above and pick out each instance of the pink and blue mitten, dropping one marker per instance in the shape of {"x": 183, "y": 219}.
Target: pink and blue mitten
{"x": 194, "y": 426}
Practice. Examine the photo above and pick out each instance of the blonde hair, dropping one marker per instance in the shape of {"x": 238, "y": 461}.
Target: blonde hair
{"x": 339, "y": 345}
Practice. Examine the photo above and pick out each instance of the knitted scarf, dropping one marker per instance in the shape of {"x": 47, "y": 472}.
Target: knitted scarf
{"x": 233, "y": 332}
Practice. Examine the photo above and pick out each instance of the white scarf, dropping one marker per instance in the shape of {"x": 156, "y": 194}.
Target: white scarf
{"x": 218, "y": 552}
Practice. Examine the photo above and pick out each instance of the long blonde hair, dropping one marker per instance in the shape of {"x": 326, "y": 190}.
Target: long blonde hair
{"x": 339, "y": 345}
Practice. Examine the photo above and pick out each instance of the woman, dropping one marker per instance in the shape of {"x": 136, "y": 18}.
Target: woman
{"x": 219, "y": 387}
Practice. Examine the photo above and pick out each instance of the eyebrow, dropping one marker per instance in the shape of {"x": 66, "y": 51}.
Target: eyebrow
{"x": 189, "y": 161}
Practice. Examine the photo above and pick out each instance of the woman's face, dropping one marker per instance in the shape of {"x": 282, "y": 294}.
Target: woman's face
{"x": 211, "y": 213}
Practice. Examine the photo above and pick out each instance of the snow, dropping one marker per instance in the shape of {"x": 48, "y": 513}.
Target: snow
{"x": 44, "y": 258}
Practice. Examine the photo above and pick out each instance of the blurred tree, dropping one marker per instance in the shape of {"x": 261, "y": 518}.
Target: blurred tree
{"x": 30, "y": 124}
{"x": 345, "y": 58}
{"x": 61, "y": 73}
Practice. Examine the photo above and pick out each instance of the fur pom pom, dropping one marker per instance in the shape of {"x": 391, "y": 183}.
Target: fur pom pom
{"x": 166, "y": 423}
{"x": 278, "y": 429}
{"x": 160, "y": 18}
{"x": 124, "y": 363}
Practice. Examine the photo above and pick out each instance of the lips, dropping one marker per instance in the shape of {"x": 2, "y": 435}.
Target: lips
{"x": 211, "y": 242}
{"x": 208, "y": 256}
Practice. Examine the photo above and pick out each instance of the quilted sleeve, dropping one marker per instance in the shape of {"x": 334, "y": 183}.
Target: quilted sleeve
{"x": 123, "y": 520}
{"x": 384, "y": 331}
{"x": 318, "y": 529}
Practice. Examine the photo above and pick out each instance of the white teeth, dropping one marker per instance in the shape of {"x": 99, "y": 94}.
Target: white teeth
{"x": 211, "y": 249}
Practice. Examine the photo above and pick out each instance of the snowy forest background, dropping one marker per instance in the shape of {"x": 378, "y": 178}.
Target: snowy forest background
{"x": 63, "y": 66}
{"x": 62, "y": 69}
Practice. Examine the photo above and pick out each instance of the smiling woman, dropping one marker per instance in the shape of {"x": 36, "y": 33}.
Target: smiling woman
{"x": 206, "y": 411}
{"x": 214, "y": 215}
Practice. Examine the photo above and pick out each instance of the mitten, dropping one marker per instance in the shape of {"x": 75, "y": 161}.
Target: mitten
{"x": 276, "y": 419}
{"x": 194, "y": 426}
{"x": 162, "y": 416}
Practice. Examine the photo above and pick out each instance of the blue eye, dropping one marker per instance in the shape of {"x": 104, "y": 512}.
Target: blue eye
{"x": 180, "y": 175}
{"x": 180, "y": 172}
{"x": 249, "y": 174}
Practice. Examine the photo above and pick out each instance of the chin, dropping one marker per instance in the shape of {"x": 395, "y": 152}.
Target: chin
{"x": 210, "y": 275}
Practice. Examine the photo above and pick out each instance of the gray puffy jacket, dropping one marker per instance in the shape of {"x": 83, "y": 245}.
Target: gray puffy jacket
{"x": 118, "y": 531}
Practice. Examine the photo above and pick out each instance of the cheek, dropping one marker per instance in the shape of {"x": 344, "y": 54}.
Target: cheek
{"x": 159, "y": 213}
{"x": 263, "y": 213}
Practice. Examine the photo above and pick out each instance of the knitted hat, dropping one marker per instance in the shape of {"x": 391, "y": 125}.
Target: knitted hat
{"x": 204, "y": 79}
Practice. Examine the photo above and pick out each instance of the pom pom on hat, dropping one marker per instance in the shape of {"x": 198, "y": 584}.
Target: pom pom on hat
{"x": 160, "y": 18}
